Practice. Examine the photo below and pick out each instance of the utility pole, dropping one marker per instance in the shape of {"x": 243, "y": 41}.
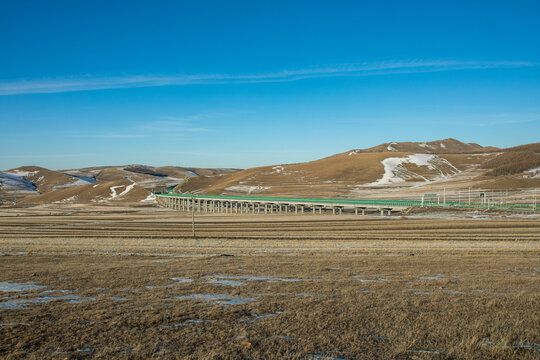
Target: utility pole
{"x": 444, "y": 197}
{"x": 192, "y": 215}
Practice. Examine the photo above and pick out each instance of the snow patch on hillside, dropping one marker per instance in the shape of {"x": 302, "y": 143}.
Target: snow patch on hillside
{"x": 114, "y": 195}
{"x": 390, "y": 148}
{"x": 395, "y": 172}
{"x": 128, "y": 189}
{"x": 73, "y": 184}
{"x": 23, "y": 173}
{"x": 69, "y": 199}
{"x": 150, "y": 199}
{"x": 277, "y": 169}
{"x": 12, "y": 182}
{"x": 532, "y": 173}
{"x": 247, "y": 189}
{"x": 354, "y": 152}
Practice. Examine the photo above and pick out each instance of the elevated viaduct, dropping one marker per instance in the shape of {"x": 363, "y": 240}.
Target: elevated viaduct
{"x": 217, "y": 204}
{"x": 270, "y": 205}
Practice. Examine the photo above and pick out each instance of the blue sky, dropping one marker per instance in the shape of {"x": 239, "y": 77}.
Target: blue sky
{"x": 242, "y": 84}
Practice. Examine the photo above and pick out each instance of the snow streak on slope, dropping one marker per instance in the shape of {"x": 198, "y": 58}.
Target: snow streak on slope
{"x": 396, "y": 172}
{"x": 11, "y": 182}
{"x": 247, "y": 189}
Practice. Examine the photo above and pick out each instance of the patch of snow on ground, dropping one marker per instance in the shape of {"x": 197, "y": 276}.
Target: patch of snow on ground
{"x": 395, "y": 172}
{"x": 532, "y": 173}
{"x": 424, "y": 145}
{"x": 150, "y": 199}
{"x": 247, "y": 189}
{"x": 15, "y": 182}
{"x": 114, "y": 195}
{"x": 278, "y": 169}
{"x": 73, "y": 184}
{"x": 443, "y": 146}
{"x": 128, "y": 189}
{"x": 95, "y": 186}
{"x": 88, "y": 179}
{"x": 66, "y": 200}
{"x": 354, "y": 152}
{"x": 390, "y": 148}
{"x": 23, "y": 173}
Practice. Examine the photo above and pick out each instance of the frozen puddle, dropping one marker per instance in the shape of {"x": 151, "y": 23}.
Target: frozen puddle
{"x": 436, "y": 277}
{"x": 453, "y": 292}
{"x": 307, "y": 295}
{"x": 420, "y": 291}
{"x": 22, "y": 304}
{"x": 526, "y": 345}
{"x": 361, "y": 278}
{"x": 223, "y": 282}
{"x": 14, "y": 324}
{"x": 86, "y": 350}
{"x": 252, "y": 278}
{"x": 180, "y": 280}
{"x": 44, "y": 296}
{"x": 323, "y": 357}
{"x": 261, "y": 316}
{"x": 432, "y": 352}
{"x": 185, "y": 323}
{"x": 221, "y": 299}
{"x": 6, "y": 286}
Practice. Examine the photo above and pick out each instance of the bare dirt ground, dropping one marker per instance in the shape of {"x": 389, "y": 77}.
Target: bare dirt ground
{"x": 117, "y": 282}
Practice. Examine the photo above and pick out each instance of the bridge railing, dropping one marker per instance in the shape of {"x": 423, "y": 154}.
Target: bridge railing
{"x": 362, "y": 202}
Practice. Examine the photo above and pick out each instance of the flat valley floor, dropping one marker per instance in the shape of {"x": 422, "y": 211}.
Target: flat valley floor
{"x": 133, "y": 283}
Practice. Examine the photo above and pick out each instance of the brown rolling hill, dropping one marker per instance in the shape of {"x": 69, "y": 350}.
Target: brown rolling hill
{"x": 386, "y": 168}
{"x": 109, "y": 192}
{"x": 33, "y": 180}
{"x": 391, "y": 170}
{"x": 46, "y": 180}
{"x": 446, "y": 146}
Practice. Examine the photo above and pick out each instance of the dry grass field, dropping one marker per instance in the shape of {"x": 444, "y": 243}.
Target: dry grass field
{"x": 133, "y": 283}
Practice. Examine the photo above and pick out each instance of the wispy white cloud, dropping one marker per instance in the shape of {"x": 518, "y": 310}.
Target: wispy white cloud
{"x": 84, "y": 83}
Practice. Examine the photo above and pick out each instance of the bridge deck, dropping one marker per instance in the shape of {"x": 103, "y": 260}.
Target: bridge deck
{"x": 340, "y": 203}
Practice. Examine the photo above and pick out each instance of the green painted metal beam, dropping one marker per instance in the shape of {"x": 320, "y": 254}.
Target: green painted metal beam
{"x": 359, "y": 202}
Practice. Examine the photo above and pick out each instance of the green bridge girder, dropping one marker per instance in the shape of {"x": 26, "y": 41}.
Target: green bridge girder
{"x": 358, "y": 202}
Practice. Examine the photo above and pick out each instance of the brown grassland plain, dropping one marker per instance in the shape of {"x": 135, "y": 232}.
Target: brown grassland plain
{"x": 133, "y": 283}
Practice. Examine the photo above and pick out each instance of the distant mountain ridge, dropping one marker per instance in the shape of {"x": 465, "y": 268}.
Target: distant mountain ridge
{"x": 390, "y": 169}
{"x": 445, "y": 146}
